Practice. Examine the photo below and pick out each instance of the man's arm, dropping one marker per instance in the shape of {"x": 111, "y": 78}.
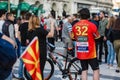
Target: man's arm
{"x": 11, "y": 33}
{"x": 69, "y": 27}
{"x": 9, "y": 40}
{"x": 19, "y": 37}
{"x": 95, "y": 32}
{"x": 51, "y": 33}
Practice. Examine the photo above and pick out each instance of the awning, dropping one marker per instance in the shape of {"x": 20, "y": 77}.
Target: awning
{"x": 36, "y": 10}
{"x": 4, "y": 5}
{"x": 41, "y": 9}
{"x": 13, "y": 7}
{"x": 33, "y": 8}
{"x": 23, "y": 6}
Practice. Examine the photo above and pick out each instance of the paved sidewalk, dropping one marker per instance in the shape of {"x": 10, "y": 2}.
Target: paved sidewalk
{"x": 105, "y": 73}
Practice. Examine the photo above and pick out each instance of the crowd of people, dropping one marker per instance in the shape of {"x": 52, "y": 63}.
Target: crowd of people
{"x": 88, "y": 35}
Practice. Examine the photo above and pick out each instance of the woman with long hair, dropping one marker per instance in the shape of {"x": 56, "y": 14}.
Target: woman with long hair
{"x": 116, "y": 42}
{"x": 34, "y": 29}
{"x": 108, "y": 33}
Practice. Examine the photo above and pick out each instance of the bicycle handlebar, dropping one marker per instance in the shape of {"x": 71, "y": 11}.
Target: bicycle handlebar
{"x": 51, "y": 47}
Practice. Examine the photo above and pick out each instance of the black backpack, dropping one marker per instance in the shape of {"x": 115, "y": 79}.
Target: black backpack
{"x": 7, "y": 54}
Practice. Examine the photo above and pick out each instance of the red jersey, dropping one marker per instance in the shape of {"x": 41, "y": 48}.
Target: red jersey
{"x": 84, "y": 32}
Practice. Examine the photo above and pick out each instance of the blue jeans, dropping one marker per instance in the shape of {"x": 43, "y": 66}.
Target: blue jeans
{"x": 20, "y": 70}
{"x": 19, "y": 47}
{"x": 9, "y": 77}
{"x": 111, "y": 53}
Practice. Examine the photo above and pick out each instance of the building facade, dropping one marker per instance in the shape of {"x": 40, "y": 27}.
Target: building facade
{"x": 63, "y": 7}
{"x": 94, "y": 5}
{"x": 116, "y": 7}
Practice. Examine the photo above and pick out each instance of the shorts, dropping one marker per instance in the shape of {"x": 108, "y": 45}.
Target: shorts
{"x": 92, "y": 62}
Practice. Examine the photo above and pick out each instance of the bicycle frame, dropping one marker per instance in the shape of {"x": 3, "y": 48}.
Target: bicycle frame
{"x": 52, "y": 59}
{"x": 65, "y": 71}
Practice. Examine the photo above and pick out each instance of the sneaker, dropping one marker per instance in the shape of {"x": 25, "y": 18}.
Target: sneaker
{"x": 111, "y": 67}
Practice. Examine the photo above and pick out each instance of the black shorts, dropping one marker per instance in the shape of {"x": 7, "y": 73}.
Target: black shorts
{"x": 92, "y": 62}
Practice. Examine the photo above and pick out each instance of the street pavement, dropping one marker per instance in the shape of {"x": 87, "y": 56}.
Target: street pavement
{"x": 105, "y": 72}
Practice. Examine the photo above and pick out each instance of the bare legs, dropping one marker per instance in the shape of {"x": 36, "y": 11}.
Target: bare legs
{"x": 95, "y": 75}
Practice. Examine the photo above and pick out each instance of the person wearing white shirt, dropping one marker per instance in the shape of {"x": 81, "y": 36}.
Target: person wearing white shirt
{"x": 2, "y": 18}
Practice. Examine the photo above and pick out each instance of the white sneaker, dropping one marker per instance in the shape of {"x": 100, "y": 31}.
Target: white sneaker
{"x": 111, "y": 67}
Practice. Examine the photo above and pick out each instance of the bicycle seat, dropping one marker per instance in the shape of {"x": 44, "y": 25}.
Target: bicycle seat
{"x": 51, "y": 47}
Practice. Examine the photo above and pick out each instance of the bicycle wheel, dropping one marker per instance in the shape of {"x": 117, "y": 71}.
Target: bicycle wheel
{"x": 74, "y": 69}
{"x": 48, "y": 71}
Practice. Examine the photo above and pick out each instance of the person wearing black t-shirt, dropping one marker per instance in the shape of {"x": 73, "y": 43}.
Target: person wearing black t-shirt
{"x": 22, "y": 35}
{"x": 95, "y": 20}
{"x": 35, "y": 30}
{"x": 75, "y": 20}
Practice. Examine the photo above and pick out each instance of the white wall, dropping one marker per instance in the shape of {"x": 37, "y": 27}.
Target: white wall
{"x": 47, "y": 8}
{"x": 14, "y": 2}
{"x": 73, "y": 8}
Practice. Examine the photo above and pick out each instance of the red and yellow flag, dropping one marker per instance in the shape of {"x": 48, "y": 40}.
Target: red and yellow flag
{"x": 31, "y": 59}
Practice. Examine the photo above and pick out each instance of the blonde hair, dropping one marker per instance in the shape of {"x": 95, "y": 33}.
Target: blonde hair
{"x": 34, "y": 22}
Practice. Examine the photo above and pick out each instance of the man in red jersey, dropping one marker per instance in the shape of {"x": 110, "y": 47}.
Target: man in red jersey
{"x": 84, "y": 32}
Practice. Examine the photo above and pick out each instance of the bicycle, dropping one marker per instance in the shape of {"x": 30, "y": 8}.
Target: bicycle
{"x": 71, "y": 69}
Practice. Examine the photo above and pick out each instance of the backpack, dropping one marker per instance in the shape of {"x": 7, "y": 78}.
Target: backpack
{"x": 7, "y": 54}
{"x": 5, "y": 28}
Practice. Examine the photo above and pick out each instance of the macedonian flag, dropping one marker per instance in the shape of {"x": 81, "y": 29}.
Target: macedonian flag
{"x": 31, "y": 59}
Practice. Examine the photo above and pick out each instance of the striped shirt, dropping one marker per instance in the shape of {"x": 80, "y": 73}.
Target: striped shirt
{"x": 67, "y": 27}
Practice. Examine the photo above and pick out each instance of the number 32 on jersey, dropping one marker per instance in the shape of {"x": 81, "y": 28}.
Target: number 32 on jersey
{"x": 81, "y": 31}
